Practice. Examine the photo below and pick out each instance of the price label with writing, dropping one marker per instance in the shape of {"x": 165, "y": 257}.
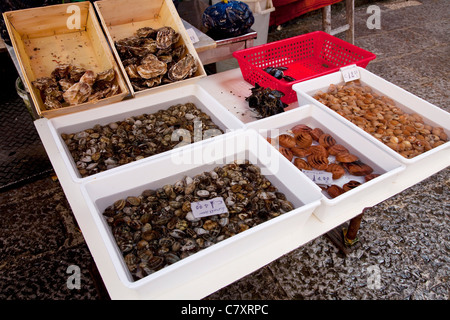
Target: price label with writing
{"x": 192, "y": 35}
{"x": 319, "y": 177}
{"x": 209, "y": 207}
{"x": 350, "y": 73}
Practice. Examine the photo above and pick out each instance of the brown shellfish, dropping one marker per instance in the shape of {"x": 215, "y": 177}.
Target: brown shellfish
{"x": 301, "y": 128}
{"x": 337, "y": 148}
{"x": 302, "y": 164}
{"x": 286, "y": 152}
{"x": 316, "y": 133}
{"x": 326, "y": 140}
{"x": 337, "y": 170}
{"x": 358, "y": 168}
{"x": 286, "y": 140}
{"x": 303, "y": 139}
{"x": 300, "y": 152}
{"x": 318, "y": 150}
{"x": 350, "y": 185}
{"x": 318, "y": 162}
{"x": 346, "y": 157}
{"x": 371, "y": 176}
{"x": 334, "y": 190}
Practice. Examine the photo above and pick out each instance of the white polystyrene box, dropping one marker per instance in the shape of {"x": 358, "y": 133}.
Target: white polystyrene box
{"x": 137, "y": 106}
{"x": 194, "y": 159}
{"x": 365, "y": 195}
{"x": 421, "y": 166}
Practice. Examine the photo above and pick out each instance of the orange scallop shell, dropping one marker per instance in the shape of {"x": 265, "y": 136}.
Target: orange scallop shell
{"x": 286, "y": 140}
{"x": 326, "y": 140}
{"x": 303, "y": 139}
{"x": 337, "y": 170}
{"x": 335, "y": 190}
{"x": 318, "y": 150}
{"x": 316, "y": 133}
{"x": 346, "y": 157}
{"x": 318, "y": 162}
{"x": 300, "y": 152}
{"x": 358, "y": 168}
{"x": 300, "y": 128}
{"x": 286, "y": 152}
{"x": 337, "y": 148}
{"x": 350, "y": 185}
{"x": 302, "y": 164}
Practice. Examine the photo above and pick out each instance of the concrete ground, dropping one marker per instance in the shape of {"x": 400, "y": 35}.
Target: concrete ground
{"x": 404, "y": 245}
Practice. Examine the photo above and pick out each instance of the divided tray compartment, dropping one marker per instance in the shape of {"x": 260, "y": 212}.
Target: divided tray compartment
{"x": 191, "y": 93}
{"x": 420, "y": 166}
{"x": 241, "y": 145}
{"x": 365, "y": 195}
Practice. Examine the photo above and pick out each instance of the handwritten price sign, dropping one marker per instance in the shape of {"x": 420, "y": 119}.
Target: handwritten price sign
{"x": 350, "y": 73}
{"x": 209, "y": 207}
{"x": 319, "y": 177}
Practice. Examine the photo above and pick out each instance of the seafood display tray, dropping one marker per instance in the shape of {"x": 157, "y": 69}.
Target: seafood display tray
{"x": 305, "y": 56}
{"x": 120, "y": 111}
{"x": 418, "y": 166}
{"x": 365, "y": 195}
{"x": 42, "y": 39}
{"x": 122, "y": 18}
{"x": 209, "y": 270}
{"x": 167, "y": 170}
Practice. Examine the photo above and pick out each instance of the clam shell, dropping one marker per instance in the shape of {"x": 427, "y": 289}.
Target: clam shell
{"x": 303, "y": 139}
{"x": 316, "y": 133}
{"x": 326, "y": 140}
{"x": 335, "y": 190}
{"x": 350, "y": 185}
{"x": 318, "y": 150}
{"x": 301, "y": 128}
{"x": 337, "y": 170}
{"x": 318, "y": 162}
{"x": 337, "y": 148}
{"x": 358, "y": 168}
{"x": 300, "y": 152}
{"x": 286, "y": 152}
{"x": 286, "y": 141}
{"x": 346, "y": 157}
{"x": 302, "y": 164}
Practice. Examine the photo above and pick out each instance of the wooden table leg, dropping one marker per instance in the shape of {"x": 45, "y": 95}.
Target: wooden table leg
{"x": 350, "y": 234}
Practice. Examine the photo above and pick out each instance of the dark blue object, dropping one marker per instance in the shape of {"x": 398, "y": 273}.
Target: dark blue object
{"x": 227, "y": 19}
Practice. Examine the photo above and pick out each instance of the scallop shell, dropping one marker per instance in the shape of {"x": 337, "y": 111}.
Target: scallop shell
{"x": 300, "y": 128}
{"x": 302, "y": 164}
{"x": 303, "y": 139}
{"x": 318, "y": 162}
{"x": 358, "y": 168}
{"x": 326, "y": 140}
{"x": 286, "y": 152}
{"x": 350, "y": 185}
{"x": 337, "y": 148}
{"x": 300, "y": 152}
{"x": 318, "y": 150}
{"x": 316, "y": 133}
{"x": 286, "y": 141}
{"x": 335, "y": 190}
{"x": 346, "y": 157}
{"x": 337, "y": 170}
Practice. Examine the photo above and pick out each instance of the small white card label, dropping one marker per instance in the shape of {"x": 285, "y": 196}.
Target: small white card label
{"x": 192, "y": 35}
{"x": 319, "y": 177}
{"x": 350, "y": 73}
{"x": 209, "y": 207}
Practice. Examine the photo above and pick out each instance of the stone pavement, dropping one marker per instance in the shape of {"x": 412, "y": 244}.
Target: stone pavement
{"x": 404, "y": 241}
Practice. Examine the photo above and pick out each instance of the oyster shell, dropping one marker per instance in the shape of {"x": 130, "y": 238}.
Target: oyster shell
{"x": 183, "y": 69}
{"x": 78, "y": 93}
{"x": 146, "y": 32}
{"x": 166, "y": 36}
{"x": 107, "y": 75}
{"x": 151, "y": 67}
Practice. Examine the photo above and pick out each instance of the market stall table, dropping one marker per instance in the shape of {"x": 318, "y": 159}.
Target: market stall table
{"x": 230, "y": 89}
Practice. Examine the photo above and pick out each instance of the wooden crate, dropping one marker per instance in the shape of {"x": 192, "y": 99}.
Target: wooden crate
{"x": 41, "y": 38}
{"x": 122, "y": 18}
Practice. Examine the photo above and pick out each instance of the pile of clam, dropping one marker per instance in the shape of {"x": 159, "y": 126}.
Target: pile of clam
{"x": 70, "y": 85}
{"x": 314, "y": 149}
{"x": 158, "y": 228}
{"x": 103, "y": 147}
{"x": 378, "y": 115}
{"x": 153, "y": 56}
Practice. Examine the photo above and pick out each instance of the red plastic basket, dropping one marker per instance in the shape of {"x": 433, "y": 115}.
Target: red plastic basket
{"x": 306, "y": 56}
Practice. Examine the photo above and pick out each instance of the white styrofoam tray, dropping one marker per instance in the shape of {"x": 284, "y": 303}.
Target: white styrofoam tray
{"x": 194, "y": 159}
{"x": 137, "y": 106}
{"x": 403, "y": 99}
{"x": 368, "y": 193}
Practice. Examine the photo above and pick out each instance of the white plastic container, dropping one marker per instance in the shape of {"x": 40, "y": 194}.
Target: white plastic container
{"x": 419, "y": 167}
{"x": 137, "y": 106}
{"x": 180, "y": 276}
{"x": 365, "y": 195}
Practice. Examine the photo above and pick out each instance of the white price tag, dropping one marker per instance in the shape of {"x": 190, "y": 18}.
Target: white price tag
{"x": 319, "y": 177}
{"x": 192, "y": 35}
{"x": 209, "y": 207}
{"x": 350, "y": 73}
